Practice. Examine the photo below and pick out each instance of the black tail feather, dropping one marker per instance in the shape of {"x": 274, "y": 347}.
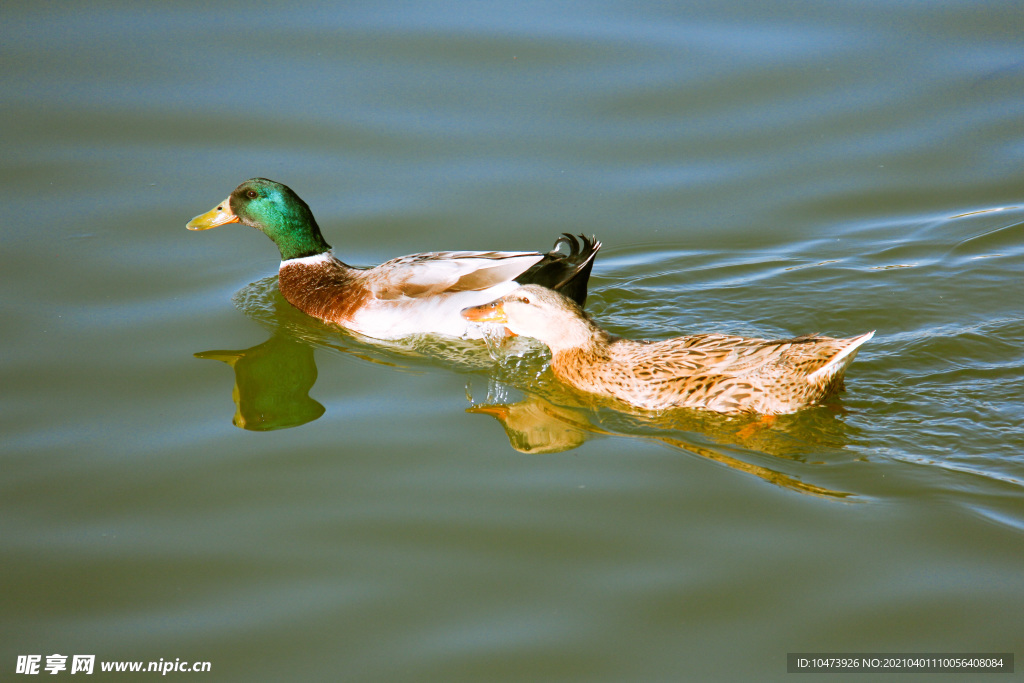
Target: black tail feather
{"x": 565, "y": 273}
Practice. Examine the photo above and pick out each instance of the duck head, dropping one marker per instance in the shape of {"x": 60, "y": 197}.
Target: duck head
{"x": 541, "y": 313}
{"x": 273, "y": 209}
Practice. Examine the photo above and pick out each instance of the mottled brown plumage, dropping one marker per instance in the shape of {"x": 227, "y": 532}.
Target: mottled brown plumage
{"x": 718, "y": 372}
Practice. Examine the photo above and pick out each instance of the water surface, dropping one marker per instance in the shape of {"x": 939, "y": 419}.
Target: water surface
{"x": 194, "y": 470}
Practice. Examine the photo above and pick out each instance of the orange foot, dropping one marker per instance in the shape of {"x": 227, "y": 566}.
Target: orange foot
{"x": 762, "y": 422}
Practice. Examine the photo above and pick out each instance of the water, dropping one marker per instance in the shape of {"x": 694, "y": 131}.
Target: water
{"x": 193, "y": 470}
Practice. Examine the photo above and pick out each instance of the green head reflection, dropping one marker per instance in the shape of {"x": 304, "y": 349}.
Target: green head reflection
{"x": 272, "y": 383}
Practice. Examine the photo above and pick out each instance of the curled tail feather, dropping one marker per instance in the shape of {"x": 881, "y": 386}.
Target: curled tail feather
{"x": 838, "y": 363}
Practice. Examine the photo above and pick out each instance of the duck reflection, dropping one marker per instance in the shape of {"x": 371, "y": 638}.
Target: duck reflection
{"x": 536, "y": 425}
{"x": 540, "y": 415}
{"x": 272, "y": 383}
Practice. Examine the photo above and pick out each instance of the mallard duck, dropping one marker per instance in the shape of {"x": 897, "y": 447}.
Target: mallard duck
{"x": 416, "y": 294}
{"x": 718, "y": 372}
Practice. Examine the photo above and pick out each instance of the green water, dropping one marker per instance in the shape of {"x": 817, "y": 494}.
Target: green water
{"x": 193, "y": 470}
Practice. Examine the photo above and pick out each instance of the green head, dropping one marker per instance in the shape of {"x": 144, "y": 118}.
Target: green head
{"x": 275, "y": 210}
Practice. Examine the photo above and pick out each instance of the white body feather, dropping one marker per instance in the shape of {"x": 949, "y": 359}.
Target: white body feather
{"x": 438, "y": 314}
{"x": 425, "y": 293}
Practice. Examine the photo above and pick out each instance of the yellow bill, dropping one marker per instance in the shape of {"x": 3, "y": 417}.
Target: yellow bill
{"x": 218, "y": 215}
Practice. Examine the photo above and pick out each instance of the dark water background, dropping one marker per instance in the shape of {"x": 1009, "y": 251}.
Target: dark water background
{"x": 758, "y": 168}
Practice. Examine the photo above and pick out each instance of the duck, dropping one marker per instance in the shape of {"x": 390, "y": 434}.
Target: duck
{"x": 716, "y": 372}
{"x": 419, "y": 294}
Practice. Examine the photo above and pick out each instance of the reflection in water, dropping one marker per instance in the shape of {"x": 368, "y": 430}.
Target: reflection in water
{"x": 273, "y": 379}
{"x": 536, "y": 425}
{"x": 272, "y": 383}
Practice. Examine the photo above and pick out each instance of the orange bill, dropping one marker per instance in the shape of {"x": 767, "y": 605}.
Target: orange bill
{"x": 487, "y": 313}
{"x": 500, "y": 412}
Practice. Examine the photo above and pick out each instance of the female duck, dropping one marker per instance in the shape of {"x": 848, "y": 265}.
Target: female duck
{"x": 716, "y": 372}
{"x": 417, "y": 294}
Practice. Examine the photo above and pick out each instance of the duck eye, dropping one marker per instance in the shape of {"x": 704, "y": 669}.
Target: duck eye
{"x": 525, "y": 300}
{"x": 252, "y": 194}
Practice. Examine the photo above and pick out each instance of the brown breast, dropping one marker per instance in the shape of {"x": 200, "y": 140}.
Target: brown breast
{"x": 329, "y": 290}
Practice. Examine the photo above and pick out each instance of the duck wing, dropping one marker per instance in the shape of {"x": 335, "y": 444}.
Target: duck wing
{"x": 567, "y": 273}
{"x": 434, "y": 273}
{"x": 811, "y": 356}
{"x": 699, "y": 353}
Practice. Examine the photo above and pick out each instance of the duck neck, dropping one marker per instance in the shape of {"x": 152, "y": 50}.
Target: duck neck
{"x": 301, "y": 241}
{"x": 580, "y": 336}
